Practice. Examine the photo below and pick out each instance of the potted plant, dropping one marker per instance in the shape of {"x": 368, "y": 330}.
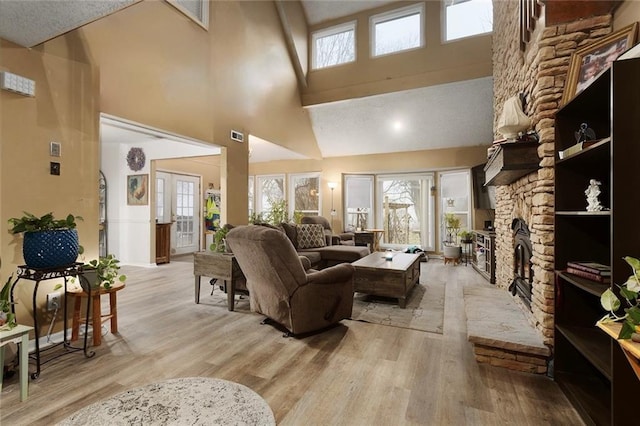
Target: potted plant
{"x": 48, "y": 242}
{"x": 451, "y": 249}
{"x": 629, "y": 292}
{"x": 219, "y": 244}
{"x": 7, "y": 317}
{"x": 103, "y": 272}
{"x": 465, "y": 236}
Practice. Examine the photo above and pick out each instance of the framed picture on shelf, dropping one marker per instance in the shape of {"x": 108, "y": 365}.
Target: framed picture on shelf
{"x": 137, "y": 190}
{"x": 588, "y": 62}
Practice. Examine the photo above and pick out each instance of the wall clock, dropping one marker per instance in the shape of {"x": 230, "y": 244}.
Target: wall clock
{"x": 135, "y": 159}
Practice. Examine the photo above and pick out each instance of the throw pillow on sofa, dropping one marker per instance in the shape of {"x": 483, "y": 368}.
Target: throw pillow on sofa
{"x": 310, "y": 236}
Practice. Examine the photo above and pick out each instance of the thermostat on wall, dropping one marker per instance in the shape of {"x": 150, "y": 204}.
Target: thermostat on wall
{"x": 237, "y": 136}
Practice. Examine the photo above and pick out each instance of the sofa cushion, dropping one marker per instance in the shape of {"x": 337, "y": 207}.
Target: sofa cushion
{"x": 343, "y": 253}
{"x": 310, "y": 236}
{"x": 291, "y": 231}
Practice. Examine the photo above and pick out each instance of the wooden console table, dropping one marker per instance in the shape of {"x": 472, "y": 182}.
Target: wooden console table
{"x": 222, "y": 266}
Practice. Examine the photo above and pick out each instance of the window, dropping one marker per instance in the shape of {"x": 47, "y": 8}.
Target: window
{"x": 358, "y": 195}
{"x": 196, "y": 10}
{"x": 455, "y": 191}
{"x": 398, "y": 30}
{"x": 251, "y": 196}
{"x": 466, "y": 18}
{"x": 304, "y": 190}
{"x": 334, "y": 46}
{"x": 159, "y": 199}
{"x": 405, "y": 210}
{"x": 269, "y": 189}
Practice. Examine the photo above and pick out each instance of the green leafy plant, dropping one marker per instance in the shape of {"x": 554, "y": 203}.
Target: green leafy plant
{"x": 218, "y": 244}
{"x": 465, "y": 235}
{"x": 107, "y": 271}
{"x": 255, "y": 218}
{"x": 47, "y": 222}
{"x": 629, "y": 292}
{"x": 452, "y": 226}
{"x": 278, "y": 213}
{"x": 7, "y": 318}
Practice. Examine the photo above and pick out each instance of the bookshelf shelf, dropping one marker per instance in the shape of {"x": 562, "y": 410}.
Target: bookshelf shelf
{"x": 590, "y": 366}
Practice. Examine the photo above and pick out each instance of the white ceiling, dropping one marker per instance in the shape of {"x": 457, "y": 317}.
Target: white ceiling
{"x": 450, "y": 115}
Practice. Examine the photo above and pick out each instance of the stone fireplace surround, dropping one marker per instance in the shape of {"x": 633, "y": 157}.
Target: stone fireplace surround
{"x": 539, "y": 73}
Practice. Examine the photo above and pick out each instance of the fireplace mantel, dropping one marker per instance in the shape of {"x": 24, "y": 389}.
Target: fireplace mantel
{"x": 510, "y": 162}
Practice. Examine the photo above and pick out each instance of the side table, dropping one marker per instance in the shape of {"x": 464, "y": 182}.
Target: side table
{"x": 98, "y": 317}
{"x": 222, "y": 266}
{"x": 18, "y": 332}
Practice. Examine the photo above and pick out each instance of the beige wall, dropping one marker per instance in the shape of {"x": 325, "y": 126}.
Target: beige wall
{"x": 333, "y": 168}
{"x": 65, "y": 110}
{"x": 627, "y": 13}
{"x": 435, "y": 63}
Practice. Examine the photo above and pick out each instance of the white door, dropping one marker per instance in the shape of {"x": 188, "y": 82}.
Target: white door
{"x": 185, "y": 207}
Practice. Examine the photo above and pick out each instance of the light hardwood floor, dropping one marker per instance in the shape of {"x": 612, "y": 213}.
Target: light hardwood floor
{"x": 353, "y": 374}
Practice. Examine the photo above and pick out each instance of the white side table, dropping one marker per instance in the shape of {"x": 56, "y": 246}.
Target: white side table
{"x": 18, "y": 332}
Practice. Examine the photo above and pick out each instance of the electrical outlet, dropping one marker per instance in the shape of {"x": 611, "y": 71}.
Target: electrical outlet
{"x": 53, "y": 301}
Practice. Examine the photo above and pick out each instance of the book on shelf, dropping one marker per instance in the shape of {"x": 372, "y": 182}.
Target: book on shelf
{"x": 589, "y": 275}
{"x": 577, "y": 148}
{"x": 592, "y": 267}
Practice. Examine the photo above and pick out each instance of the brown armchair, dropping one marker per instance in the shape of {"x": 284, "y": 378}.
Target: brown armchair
{"x": 280, "y": 288}
{"x": 346, "y": 238}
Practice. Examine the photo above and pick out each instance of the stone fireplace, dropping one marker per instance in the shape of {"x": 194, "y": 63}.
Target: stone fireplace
{"x": 539, "y": 74}
{"x": 522, "y": 284}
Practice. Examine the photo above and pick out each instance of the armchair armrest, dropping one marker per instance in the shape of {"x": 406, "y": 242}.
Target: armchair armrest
{"x": 331, "y": 275}
{"x": 306, "y": 263}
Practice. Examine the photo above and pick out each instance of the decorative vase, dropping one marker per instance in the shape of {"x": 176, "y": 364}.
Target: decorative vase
{"x": 50, "y": 249}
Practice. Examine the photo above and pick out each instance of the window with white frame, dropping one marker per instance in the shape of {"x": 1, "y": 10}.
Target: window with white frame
{"x": 397, "y": 30}
{"x": 467, "y": 18}
{"x": 196, "y": 10}
{"x": 269, "y": 189}
{"x": 159, "y": 199}
{"x": 304, "y": 194}
{"x": 334, "y": 46}
{"x": 358, "y": 197}
{"x": 251, "y": 196}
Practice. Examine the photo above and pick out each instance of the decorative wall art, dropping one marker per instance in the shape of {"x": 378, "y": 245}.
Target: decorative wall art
{"x": 136, "y": 159}
{"x": 588, "y": 62}
{"x": 138, "y": 190}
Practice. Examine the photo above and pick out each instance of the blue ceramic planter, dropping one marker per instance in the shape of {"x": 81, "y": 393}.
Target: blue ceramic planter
{"x": 50, "y": 249}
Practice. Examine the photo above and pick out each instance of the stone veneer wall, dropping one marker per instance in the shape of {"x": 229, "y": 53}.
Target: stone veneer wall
{"x": 540, "y": 74}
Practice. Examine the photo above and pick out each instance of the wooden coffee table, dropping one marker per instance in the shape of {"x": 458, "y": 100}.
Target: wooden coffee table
{"x": 389, "y": 278}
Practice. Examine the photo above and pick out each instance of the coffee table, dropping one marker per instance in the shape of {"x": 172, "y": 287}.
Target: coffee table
{"x": 389, "y": 278}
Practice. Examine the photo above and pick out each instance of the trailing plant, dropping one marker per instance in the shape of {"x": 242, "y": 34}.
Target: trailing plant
{"x": 107, "y": 271}
{"x": 219, "y": 245}
{"x": 47, "y": 222}
{"x": 629, "y": 292}
{"x": 7, "y": 317}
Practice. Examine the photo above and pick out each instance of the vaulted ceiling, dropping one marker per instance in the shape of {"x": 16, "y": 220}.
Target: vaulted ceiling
{"x": 450, "y": 115}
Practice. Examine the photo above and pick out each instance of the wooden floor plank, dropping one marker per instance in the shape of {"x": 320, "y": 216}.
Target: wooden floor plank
{"x": 353, "y": 374}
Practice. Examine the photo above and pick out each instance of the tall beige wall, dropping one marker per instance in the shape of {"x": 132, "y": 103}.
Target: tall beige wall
{"x": 65, "y": 110}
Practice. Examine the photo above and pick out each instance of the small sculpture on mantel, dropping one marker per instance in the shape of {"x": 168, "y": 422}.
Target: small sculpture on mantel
{"x": 592, "y": 192}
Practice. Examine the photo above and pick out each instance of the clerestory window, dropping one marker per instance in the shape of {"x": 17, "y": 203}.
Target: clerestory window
{"x": 334, "y": 46}
{"x": 397, "y": 30}
{"x": 467, "y": 18}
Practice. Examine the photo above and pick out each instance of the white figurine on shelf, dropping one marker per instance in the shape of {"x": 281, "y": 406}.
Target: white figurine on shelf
{"x": 592, "y": 192}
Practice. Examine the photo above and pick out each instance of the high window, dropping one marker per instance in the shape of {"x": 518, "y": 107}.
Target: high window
{"x": 466, "y": 18}
{"x": 196, "y": 10}
{"x": 334, "y": 46}
{"x": 398, "y": 30}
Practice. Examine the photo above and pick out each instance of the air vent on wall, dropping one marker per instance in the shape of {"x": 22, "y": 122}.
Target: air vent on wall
{"x": 237, "y": 136}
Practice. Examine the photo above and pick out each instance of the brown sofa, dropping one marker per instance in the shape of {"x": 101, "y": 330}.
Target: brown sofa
{"x": 280, "y": 288}
{"x": 346, "y": 238}
{"x": 323, "y": 255}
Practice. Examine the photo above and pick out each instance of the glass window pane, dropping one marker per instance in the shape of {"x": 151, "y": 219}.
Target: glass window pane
{"x": 334, "y": 46}
{"x": 468, "y": 18}
{"x": 397, "y": 34}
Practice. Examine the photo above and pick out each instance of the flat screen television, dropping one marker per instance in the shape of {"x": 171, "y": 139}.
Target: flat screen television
{"x": 484, "y": 197}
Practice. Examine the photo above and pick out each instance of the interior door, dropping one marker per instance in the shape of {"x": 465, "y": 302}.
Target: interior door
{"x": 185, "y": 208}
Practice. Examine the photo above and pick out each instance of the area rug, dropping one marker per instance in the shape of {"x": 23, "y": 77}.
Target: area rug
{"x": 424, "y": 311}
{"x": 184, "y": 401}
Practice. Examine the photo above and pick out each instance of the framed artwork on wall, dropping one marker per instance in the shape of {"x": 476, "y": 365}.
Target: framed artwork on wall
{"x": 137, "y": 190}
{"x": 588, "y": 62}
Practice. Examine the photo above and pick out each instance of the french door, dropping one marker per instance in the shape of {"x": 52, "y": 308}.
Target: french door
{"x": 185, "y": 204}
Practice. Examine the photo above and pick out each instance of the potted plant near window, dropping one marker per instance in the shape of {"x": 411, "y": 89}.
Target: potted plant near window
{"x": 48, "y": 242}
{"x": 7, "y": 317}
{"x": 451, "y": 248}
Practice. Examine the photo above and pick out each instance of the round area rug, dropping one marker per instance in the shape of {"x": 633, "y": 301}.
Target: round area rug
{"x": 184, "y": 401}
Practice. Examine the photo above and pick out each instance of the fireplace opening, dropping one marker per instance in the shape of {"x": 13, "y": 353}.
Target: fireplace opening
{"x": 522, "y": 284}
